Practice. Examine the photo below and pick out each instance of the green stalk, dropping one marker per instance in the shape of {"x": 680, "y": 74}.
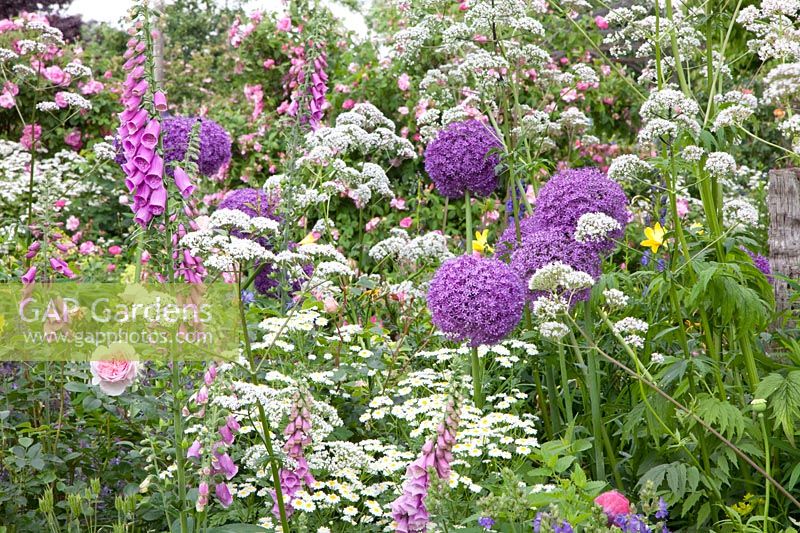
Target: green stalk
{"x": 552, "y": 398}
{"x": 177, "y": 419}
{"x": 767, "y": 466}
{"x": 265, "y": 425}
{"x": 593, "y": 381}
{"x": 477, "y": 378}
{"x": 565, "y": 386}
{"x": 468, "y": 212}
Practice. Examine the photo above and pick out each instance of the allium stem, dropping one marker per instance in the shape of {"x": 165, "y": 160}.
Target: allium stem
{"x": 468, "y": 212}
{"x": 477, "y": 379}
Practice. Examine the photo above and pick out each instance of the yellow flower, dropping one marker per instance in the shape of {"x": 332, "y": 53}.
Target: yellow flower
{"x": 655, "y": 237}
{"x": 479, "y": 244}
{"x": 311, "y": 238}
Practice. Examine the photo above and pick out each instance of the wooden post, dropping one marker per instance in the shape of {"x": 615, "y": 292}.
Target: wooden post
{"x": 783, "y": 201}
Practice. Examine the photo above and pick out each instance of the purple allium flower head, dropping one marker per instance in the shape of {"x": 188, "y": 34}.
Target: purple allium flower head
{"x": 475, "y": 298}
{"x": 252, "y": 202}
{"x": 571, "y": 194}
{"x": 539, "y": 248}
{"x": 508, "y": 240}
{"x": 761, "y": 263}
{"x": 215, "y": 143}
{"x": 459, "y": 159}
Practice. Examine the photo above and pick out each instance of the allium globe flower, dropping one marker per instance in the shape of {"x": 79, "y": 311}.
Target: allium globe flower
{"x": 215, "y": 143}
{"x": 540, "y": 248}
{"x": 459, "y": 159}
{"x": 475, "y": 298}
{"x": 573, "y": 193}
{"x": 252, "y": 202}
{"x": 508, "y": 240}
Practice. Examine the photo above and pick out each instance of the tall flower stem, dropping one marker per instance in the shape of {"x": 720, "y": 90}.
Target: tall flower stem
{"x": 565, "y": 386}
{"x": 477, "y": 378}
{"x": 180, "y": 458}
{"x": 262, "y": 418}
{"x": 593, "y": 382}
{"x": 468, "y": 213}
{"x": 767, "y": 467}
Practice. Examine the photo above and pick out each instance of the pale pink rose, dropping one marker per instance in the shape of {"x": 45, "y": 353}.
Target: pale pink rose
{"x": 403, "y": 110}
{"x": 284, "y": 24}
{"x": 269, "y": 64}
{"x": 72, "y": 223}
{"x": 398, "y": 203}
{"x": 7, "y": 100}
{"x": 613, "y": 503}
{"x": 601, "y": 23}
{"x": 114, "y": 375}
{"x": 372, "y": 224}
{"x": 406, "y": 222}
{"x": 87, "y": 248}
{"x": 330, "y": 305}
{"x": 114, "y": 250}
{"x": 404, "y": 82}
{"x": 91, "y": 87}
{"x": 605, "y": 70}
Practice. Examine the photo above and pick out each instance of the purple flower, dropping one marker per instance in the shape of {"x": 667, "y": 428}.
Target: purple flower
{"x": 539, "y": 248}
{"x": 486, "y": 522}
{"x": 761, "y": 263}
{"x": 537, "y": 522}
{"x": 564, "y": 527}
{"x": 223, "y": 494}
{"x": 459, "y": 159}
{"x": 475, "y": 298}
{"x": 573, "y": 193}
{"x": 508, "y": 240}
{"x": 252, "y": 202}
{"x": 663, "y": 512}
{"x": 194, "y": 450}
{"x": 215, "y": 143}
{"x": 223, "y": 464}
{"x": 632, "y": 523}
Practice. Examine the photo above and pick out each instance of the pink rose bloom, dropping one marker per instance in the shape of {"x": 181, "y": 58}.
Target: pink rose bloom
{"x": 114, "y": 250}
{"x": 601, "y": 23}
{"x": 284, "y": 24}
{"x": 55, "y": 75}
{"x": 330, "y": 305}
{"x": 605, "y": 70}
{"x": 72, "y": 223}
{"x": 73, "y": 139}
{"x": 145, "y": 257}
{"x": 403, "y": 110}
{"x": 87, "y": 248}
{"x": 269, "y": 64}
{"x": 348, "y": 104}
{"x": 372, "y": 224}
{"x": 406, "y": 222}
{"x": 7, "y": 100}
{"x": 111, "y": 267}
{"x": 30, "y": 134}
{"x": 114, "y": 375}
{"x": 92, "y": 87}
{"x": 613, "y": 503}
{"x": 404, "y": 82}
{"x": 398, "y": 203}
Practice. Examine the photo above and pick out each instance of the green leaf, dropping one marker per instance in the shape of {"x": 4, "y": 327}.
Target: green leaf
{"x": 784, "y": 400}
{"x": 237, "y": 528}
{"x": 75, "y": 386}
{"x": 726, "y": 418}
{"x": 25, "y": 441}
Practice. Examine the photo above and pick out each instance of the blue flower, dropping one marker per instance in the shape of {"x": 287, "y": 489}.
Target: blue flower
{"x": 663, "y": 512}
{"x": 486, "y": 522}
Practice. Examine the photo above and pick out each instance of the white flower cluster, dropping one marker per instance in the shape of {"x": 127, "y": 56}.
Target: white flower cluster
{"x": 740, "y": 212}
{"x": 615, "y": 298}
{"x": 553, "y": 330}
{"x": 629, "y": 168}
{"x": 666, "y": 114}
{"x": 633, "y": 31}
{"x": 720, "y": 164}
{"x": 78, "y": 70}
{"x": 58, "y": 177}
{"x": 735, "y": 108}
{"x": 407, "y": 251}
{"x": 631, "y": 327}
{"x": 595, "y": 227}
{"x": 557, "y": 275}
{"x": 549, "y": 307}
{"x": 692, "y": 153}
{"x": 104, "y": 151}
{"x": 782, "y": 84}
{"x": 773, "y": 25}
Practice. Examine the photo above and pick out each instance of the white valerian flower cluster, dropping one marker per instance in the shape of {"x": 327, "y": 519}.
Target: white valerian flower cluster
{"x": 364, "y": 132}
{"x": 739, "y": 212}
{"x": 595, "y": 227}
{"x": 553, "y": 330}
{"x": 104, "y": 151}
{"x": 782, "y": 84}
{"x": 615, "y": 298}
{"x": 790, "y": 128}
{"x": 630, "y": 168}
{"x": 772, "y": 22}
{"x": 667, "y": 114}
{"x": 632, "y": 31}
{"x": 549, "y": 307}
{"x": 692, "y": 153}
{"x": 78, "y": 70}
{"x": 58, "y": 177}
{"x": 735, "y": 108}
{"x": 630, "y": 328}
{"x": 400, "y": 247}
{"x": 720, "y": 164}
{"x": 556, "y": 276}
